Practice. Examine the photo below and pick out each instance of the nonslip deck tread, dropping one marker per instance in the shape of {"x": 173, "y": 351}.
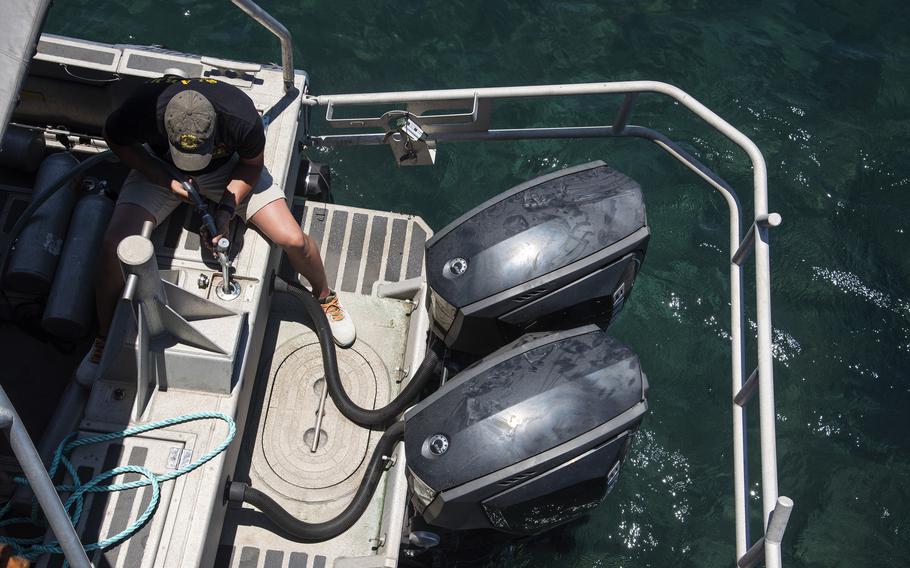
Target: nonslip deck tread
{"x": 360, "y": 247}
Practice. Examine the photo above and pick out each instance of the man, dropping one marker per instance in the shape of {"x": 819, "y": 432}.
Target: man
{"x": 212, "y": 133}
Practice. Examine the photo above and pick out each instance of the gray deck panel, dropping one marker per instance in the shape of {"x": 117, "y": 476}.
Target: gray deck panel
{"x": 160, "y": 65}
{"x": 415, "y": 252}
{"x": 249, "y": 557}
{"x": 396, "y": 250}
{"x": 298, "y": 560}
{"x": 85, "y": 54}
{"x": 273, "y": 559}
{"x": 123, "y": 507}
{"x": 318, "y": 220}
{"x": 374, "y": 253}
{"x": 138, "y": 541}
{"x": 354, "y": 252}
{"x": 92, "y": 531}
{"x": 333, "y": 251}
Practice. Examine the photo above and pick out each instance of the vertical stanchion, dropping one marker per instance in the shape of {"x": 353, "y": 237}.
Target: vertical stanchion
{"x": 766, "y": 412}
{"x": 740, "y": 448}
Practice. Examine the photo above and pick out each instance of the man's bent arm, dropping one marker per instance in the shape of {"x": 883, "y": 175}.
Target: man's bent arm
{"x": 137, "y": 157}
{"x": 243, "y": 178}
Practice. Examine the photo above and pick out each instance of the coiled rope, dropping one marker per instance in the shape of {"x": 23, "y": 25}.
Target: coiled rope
{"x": 32, "y": 548}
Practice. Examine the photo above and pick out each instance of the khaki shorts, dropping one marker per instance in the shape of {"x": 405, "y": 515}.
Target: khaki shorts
{"x": 161, "y": 202}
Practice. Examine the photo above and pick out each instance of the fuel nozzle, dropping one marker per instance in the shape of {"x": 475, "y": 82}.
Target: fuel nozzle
{"x": 228, "y": 288}
{"x": 222, "y": 250}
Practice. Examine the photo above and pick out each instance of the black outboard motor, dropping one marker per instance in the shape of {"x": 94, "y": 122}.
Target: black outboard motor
{"x": 532, "y": 436}
{"x": 556, "y": 252}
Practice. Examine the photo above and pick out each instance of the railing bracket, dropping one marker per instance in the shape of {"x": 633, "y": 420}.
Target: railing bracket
{"x": 746, "y": 393}
{"x": 745, "y": 247}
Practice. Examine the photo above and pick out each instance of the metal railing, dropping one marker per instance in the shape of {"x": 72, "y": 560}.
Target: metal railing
{"x": 414, "y": 131}
{"x": 284, "y": 36}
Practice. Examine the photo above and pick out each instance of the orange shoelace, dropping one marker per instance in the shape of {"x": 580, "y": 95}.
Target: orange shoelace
{"x": 333, "y": 309}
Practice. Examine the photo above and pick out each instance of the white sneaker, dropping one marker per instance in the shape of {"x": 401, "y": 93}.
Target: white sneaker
{"x": 88, "y": 368}
{"x": 343, "y": 331}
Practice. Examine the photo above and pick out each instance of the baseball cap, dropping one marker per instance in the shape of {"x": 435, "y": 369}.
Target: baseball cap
{"x": 189, "y": 121}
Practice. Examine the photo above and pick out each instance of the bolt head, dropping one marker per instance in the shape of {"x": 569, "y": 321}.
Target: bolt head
{"x": 438, "y": 444}
{"x": 455, "y": 267}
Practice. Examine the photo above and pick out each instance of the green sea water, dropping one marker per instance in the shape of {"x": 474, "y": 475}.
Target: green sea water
{"x": 820, "y": 85}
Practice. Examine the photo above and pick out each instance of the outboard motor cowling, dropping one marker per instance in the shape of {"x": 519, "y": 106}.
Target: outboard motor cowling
{"x": 556, "y": 252}
{"x": 529, "y": 437}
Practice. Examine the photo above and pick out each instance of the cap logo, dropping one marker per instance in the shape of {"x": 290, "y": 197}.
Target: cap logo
{"x": 188, "y": 142}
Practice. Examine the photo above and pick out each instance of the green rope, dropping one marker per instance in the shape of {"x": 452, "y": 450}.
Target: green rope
{"x": 32, "y": 548}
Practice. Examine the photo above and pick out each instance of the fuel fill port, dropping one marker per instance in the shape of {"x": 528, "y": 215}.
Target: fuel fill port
{"x": 233, "y": 291}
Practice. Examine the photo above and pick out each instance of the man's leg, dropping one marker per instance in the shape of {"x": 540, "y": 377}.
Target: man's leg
{"x": 277, "y": 223}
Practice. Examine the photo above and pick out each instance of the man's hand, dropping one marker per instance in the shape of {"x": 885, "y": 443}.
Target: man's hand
{"x": 223, "y": 222}
{"x": 177, "y": 189}
{"x": 136, "y": 157}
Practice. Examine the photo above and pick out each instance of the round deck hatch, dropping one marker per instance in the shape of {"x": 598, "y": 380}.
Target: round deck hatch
{"x": 292, "y": 428}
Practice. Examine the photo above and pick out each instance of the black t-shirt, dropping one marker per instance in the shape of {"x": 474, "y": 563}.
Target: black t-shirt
{"x": 140, "y": 119}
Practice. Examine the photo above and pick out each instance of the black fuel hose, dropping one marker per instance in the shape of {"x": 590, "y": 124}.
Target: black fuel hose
{"x": 384, "y": 416}
{"x": 301, "y": 531}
